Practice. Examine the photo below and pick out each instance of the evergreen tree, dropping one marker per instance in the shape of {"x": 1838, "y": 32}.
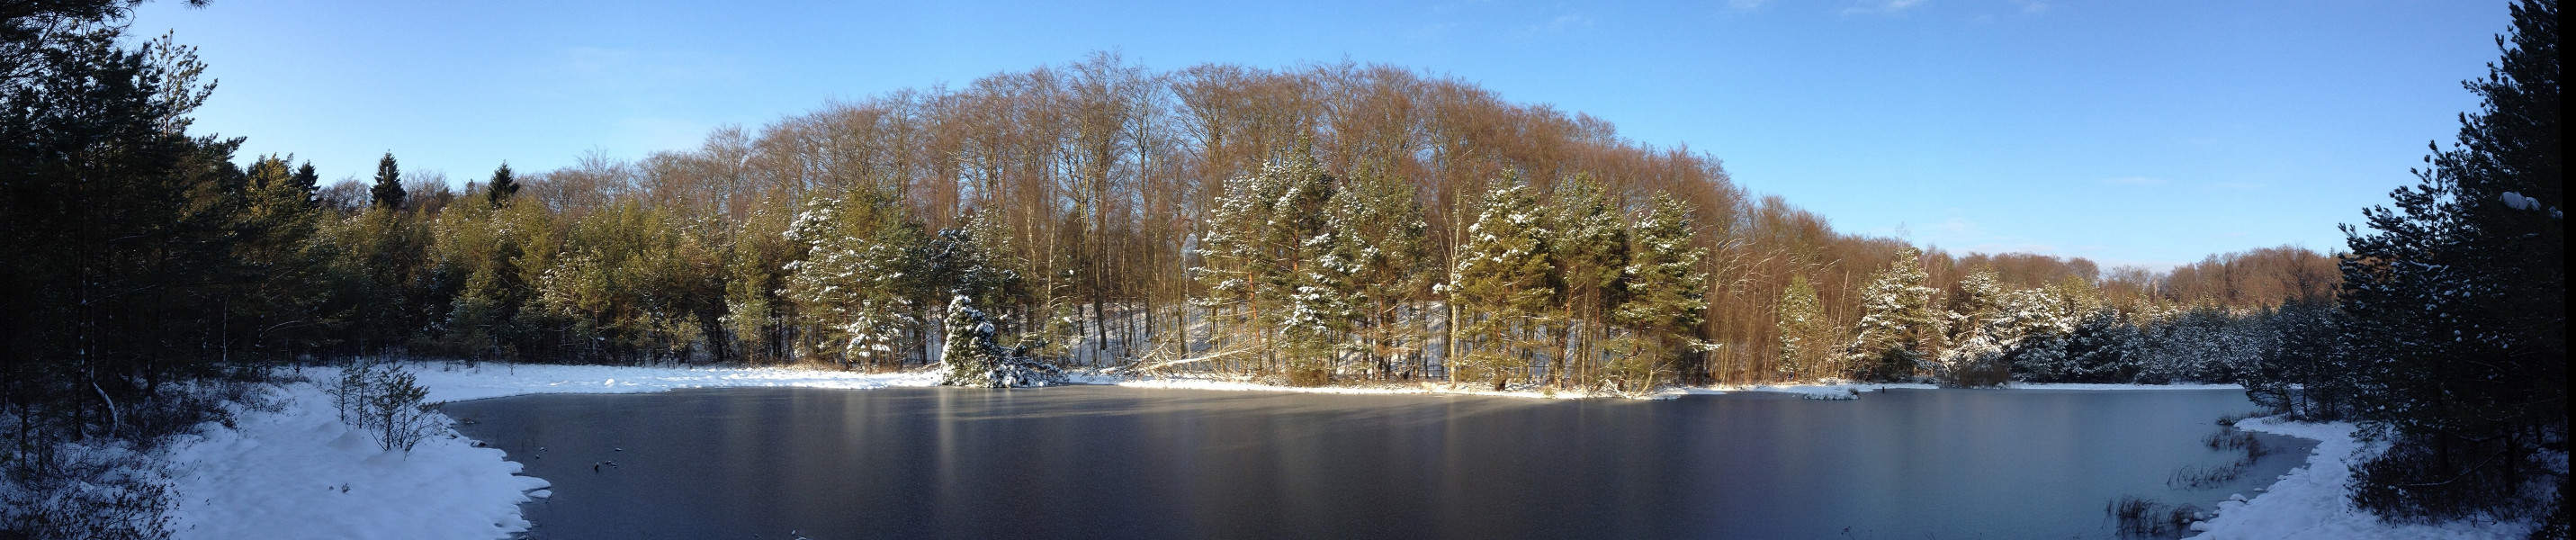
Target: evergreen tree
{"x": 1665, "y": 298}
{"x": 2457, "y": 304}
{"x": 1234, "y": 264}
{"x": 310, "y": 182}
{"x": 851, "y": 282}
{"x": 501, "y": 187}
{"x": 1591, "y": 251}
{"x": 1898, "y": 326}
{"x": 388, "y": 192}
{"x": 1315, "y": 286}
{"x": 1379, "y": 258}
{"x": 1506, "y": 280}
{"x": 975, "y": 358}
{"x": 1806, "y": 346}
{"x": 969, "y": 349}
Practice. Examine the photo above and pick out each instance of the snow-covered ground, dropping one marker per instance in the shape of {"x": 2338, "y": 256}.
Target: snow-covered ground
{"x": 2315, "y": 501}
{"x": 300, "y": 473}
{"x": 455, "y": 382}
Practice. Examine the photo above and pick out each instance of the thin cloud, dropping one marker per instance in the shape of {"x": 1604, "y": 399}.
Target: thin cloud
{"x": 1558, "y": 25}
{"x": 1746, "y": 5}
{"x": 1882, "y": 7}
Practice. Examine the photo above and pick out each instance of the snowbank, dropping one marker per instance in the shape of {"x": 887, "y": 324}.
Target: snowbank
{"x": 300, "y": 473}
{"x": 455, "y": 382}
{"x": 1245, "y": 384}
{"x": 2315, "y": 501}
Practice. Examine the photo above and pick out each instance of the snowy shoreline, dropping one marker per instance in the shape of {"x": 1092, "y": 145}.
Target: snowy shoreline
{"x": 2314, "y": 500}
{"x": 298, "y": 472}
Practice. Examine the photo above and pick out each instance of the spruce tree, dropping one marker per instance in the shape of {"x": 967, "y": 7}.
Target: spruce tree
{"x": 310, "y": 182}
{"x": 388, "y": 192}
{"x": 501, "y": 187}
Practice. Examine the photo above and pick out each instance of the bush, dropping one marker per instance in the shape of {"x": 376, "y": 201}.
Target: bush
{"x": 104, "y": 492}
{"x": 1310, "y": 376}
{"x": 385, "y": 402}
{"x": 2416, "y": 481}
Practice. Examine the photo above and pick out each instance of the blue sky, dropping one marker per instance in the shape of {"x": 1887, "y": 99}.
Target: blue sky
{"x": 2127, "y": 132}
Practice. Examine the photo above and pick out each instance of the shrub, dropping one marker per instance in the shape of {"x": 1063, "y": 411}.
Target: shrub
{"x": 94, "y": 492}
{"x": 386, "y": 402}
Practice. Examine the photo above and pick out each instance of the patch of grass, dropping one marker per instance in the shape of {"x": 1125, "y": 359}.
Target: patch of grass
{"x": 2138, "y": 517}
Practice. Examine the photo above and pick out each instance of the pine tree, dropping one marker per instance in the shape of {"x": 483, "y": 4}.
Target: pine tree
{"x": 1505, "y": 282}
{"x": 2457, "y": 304}
{"x": 1591, "y": 251}
{"x": 1315, "y": 286}
{"x": 1234, "y": 266}
{"x": 851, "y": 282}
{"x": 969, "y": 348}
{"x": 1898, "y": 327}
{"x": 1665, "y": 298}
{"x": 1806, "y": 346}
{"x": 310, "y": 182}
{"x": 1379, "y": 257}
{"x": 389, "y": 190}
{"x": 501, "y": 187}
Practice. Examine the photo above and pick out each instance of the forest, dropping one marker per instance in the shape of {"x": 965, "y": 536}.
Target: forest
{"x": 1316, "y": 224}
{"x": 1319, "y": 221}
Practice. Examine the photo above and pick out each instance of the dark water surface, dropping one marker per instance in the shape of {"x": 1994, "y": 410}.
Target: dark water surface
{"x": 1109, "y": 462}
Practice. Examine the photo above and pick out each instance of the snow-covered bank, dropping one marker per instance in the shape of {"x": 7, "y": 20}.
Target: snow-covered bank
{"x": 1830, "y": 390}
{"x": 300, "y": 473}
{"x": 455, "y": 382}
{"x": 2315, "y": 501}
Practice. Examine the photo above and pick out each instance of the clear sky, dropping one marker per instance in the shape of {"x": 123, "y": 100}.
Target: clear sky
{"x": 2127, "y": 132}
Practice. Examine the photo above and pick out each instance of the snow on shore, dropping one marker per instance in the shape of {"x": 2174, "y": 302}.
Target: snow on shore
{"x": 1830, "y": 390}
{"x": 455, "y": 382}
{"x": 2315, "y": 500}
{"x": 299, "y": 473}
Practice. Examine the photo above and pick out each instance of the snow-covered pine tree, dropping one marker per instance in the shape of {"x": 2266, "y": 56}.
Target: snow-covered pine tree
{"x": 1665, "y": 296}
{"x": 1974, "y": 333}
{"x": 1379, "y": 251}
{"x": 1806, "y": 342}
{"x": 1504, "y": 284}
{"x": 1899, "y": 326}
{"x": 1235, "y": 264}
{"x": 1315, "y": 286}
{"x": 2302, "y": 373}
{"x": 2457, "y": 305}
{"x": 975, "y": 357}
{"x": 851, "y": 285}
{"x": 1591, "y": 252}
{"x": 968, "y": 348}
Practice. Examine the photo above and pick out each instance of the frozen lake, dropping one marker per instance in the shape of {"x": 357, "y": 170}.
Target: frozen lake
{"x": 1097, "y": 461}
